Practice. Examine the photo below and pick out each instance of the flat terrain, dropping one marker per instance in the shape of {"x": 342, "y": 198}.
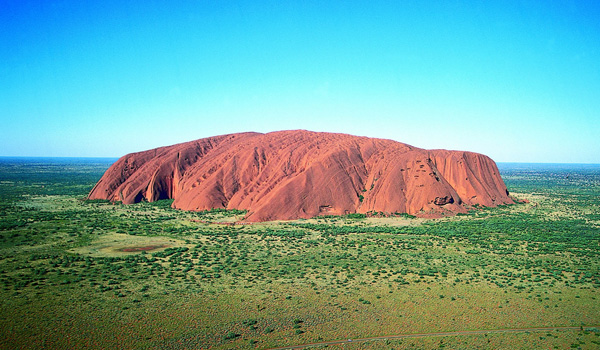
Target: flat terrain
{"x": 93, "y": 274}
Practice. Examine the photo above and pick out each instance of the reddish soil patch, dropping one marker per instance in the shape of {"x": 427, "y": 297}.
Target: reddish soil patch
{"x": 142, "y": 249}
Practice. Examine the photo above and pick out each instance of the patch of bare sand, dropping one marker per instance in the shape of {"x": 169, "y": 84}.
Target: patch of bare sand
{"x": 118, "y": 244}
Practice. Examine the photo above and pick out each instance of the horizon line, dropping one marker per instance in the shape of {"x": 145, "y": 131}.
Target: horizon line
{"x": 118, "y": 157}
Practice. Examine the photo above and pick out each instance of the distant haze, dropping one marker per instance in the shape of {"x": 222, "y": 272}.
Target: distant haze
{"x": 519, "y": 82}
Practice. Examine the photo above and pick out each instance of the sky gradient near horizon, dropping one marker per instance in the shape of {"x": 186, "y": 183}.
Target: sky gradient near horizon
{"x": 517, "y": 81}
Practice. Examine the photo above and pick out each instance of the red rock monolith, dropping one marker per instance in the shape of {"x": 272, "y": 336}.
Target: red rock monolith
{"x": 296, "y": 174}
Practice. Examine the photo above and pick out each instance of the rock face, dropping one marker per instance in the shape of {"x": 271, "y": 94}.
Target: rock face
{"x": 300, "y": 174}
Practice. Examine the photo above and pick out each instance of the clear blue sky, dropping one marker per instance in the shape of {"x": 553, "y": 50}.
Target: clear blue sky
{"x": 518, "y": 81}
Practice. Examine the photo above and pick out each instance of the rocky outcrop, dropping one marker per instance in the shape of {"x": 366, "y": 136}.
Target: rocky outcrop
{"x": 300, "y": 174}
